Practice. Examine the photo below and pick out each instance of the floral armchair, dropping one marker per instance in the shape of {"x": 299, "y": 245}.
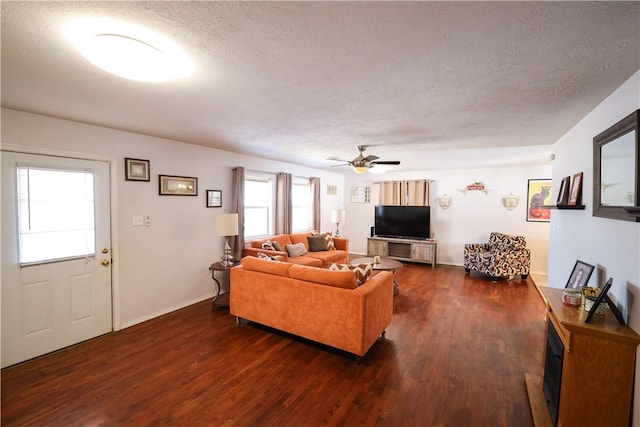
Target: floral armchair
{"x": 503, "y": 256}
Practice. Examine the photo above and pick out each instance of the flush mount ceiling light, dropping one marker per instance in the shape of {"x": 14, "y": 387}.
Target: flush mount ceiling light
{"x": 128, "y": 51}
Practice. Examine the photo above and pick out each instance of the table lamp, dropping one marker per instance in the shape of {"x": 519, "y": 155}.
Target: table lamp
{"x": 227, "y": 226}
{"x": 337, "y": 217}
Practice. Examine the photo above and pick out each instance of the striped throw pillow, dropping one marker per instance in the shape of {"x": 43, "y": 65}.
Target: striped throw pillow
{"x": 361, "y": 271}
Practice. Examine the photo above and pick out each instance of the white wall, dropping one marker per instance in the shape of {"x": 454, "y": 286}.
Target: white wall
{"x": 470, "y": 218}
{"x": 612, "y": 245}
{"x": 163, "y": 267}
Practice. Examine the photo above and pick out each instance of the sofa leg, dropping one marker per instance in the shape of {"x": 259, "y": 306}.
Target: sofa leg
{"x": 237, "y": 320}
{"x": 383, "y": 335}
{"x": 524, "y": 276}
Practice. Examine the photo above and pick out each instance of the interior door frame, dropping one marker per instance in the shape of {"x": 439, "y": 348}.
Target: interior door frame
{"x": 113, "y": 210}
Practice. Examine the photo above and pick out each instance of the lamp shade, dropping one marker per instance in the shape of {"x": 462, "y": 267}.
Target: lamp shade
{"x": 338, "y": 216}
{"x": 227, "y": 224}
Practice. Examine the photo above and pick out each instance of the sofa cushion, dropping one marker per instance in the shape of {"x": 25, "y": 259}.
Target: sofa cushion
{"x": 282, "y": 239}
{"x": 306, "y": 260}
{"x": 268, "y": 246}
{"x": 301, "y": 238}
{"x": 328, "y": 257}
{"x": 266, "y": 266}
{"x": 262, "y": 255}
{"x": 317, "y": 243}
{"x": 505, "y": 243}
{"x": 296, "y": 249}
{"x": 360, "y": 271}
{"x": 339, "y": 279}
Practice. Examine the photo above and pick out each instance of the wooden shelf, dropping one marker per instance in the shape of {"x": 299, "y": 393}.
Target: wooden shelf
{"x": 565, "y": 207}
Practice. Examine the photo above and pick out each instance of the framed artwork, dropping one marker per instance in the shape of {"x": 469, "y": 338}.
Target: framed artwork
{"x": 136, "y": 170}
{"x": 563, "y": 194}
{"x": 177, "y": 185}
{"x": 214, "y": 198}
{"x": 575, "y": 197}
{"x": 579, "y": 275}
{"x": 538, "y": 197}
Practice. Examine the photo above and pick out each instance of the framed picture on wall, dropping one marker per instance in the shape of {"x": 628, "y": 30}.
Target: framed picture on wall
{"x": 177, "y": 185}
{"x": 538, "y": 196}
{"x": 214, "y": 198}
{"x": 136, "y": 170}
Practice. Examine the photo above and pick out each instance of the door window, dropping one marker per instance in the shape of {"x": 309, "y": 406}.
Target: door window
{"x": 56, "y": 218}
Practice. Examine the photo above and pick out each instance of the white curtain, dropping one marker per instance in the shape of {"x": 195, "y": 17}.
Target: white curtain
{"x": 405, "y": 193}
{"x": 315, "y": 194}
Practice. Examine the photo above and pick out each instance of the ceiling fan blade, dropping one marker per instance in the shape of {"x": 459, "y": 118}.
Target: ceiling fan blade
{"x": 386, "y": 162}
{"x": 342, "y": 164}
{"x": 370, "y": 158}
{"x": 338, "y": 159}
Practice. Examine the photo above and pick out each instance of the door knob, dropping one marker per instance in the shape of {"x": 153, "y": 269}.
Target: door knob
{"x": 106, "y": 262}
{"x": 105, "y": 250}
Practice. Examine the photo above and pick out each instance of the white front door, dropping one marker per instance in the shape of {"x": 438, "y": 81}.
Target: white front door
{"x": 56, "y": 253}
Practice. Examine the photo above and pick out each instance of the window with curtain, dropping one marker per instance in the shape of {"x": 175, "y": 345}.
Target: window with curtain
{"x": 302, "y": 203}
{"x": 258, "y": 206}
{"x": 56, "y": 218}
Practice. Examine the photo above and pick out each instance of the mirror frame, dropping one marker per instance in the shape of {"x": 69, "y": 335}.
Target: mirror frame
{"x": 623, "y": 127}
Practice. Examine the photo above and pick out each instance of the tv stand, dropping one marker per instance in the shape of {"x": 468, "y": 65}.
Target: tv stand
{"x": 403, "y": 249}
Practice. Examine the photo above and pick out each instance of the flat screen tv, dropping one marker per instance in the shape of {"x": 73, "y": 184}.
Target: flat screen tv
{"x": 409, "y": 222}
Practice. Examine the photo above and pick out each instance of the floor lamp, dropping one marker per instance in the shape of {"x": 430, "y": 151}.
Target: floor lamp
{"x": 227, "y": 226}
{"x": 337, "y": 217}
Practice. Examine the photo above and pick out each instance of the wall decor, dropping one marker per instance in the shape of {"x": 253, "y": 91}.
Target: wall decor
{"x": 214, "y": 198}
{"x": 332, "y": 190}
{"x": 444, "y": 201}
{"x": 616, "y": 173}
{"x": 361, "y": 194}
{"x": 538, "y": 196}
{"x": 563, "y": 194}
{"x": 136, "y": 169}
{"x": 510, "y": 202}
{"x": 575, "y": 195}
{"x": 476, "y": 186}
{"x": 177, "y": 185}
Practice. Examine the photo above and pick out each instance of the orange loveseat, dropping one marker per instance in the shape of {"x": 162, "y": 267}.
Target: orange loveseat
{"x": 339, "y": 255}
{"x": 325, "y": 306}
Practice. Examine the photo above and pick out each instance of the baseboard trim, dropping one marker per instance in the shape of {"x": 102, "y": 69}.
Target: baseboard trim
{"x": 163, "y": 312}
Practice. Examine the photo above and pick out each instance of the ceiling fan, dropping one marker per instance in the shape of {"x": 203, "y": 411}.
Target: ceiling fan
{"x": 362, "y": 164}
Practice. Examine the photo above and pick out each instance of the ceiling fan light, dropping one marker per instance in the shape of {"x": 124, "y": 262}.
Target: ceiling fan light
{"x": 360, "y": 169}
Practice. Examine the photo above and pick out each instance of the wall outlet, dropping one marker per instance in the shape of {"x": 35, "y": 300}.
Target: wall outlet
{"x": 136, "y": 220}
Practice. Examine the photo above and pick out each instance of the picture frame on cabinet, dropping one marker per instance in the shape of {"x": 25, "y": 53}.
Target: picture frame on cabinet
{"x": 579, "y": 275}
{"x": 600, "y": 299}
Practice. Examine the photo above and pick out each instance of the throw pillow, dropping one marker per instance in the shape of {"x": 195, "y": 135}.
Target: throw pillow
{"x": 268, "y": 246}
{"x": 265, "y": 256}
{"x": 296, "y": 249}
{"x": 328, "y": 236}
{"x": 361, "y": 271}
{"x": 276, "y": 246}
{"x": 317, "y": 244}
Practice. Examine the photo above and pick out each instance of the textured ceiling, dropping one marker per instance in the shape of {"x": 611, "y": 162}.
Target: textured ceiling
{"x": 433, "y": 84}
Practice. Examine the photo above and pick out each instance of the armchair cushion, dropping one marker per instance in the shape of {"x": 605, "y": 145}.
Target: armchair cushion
{"x": 504, "y": 255}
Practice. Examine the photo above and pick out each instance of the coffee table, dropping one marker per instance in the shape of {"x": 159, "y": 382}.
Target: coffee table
{"x": 385, "y": 264}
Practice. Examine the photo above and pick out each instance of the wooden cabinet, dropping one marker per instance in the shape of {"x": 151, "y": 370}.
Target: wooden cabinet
{"x": 598, "y": 365}
{"x": 403, "y": 249}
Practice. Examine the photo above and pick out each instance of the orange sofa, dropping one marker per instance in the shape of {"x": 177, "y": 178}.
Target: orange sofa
{"x": 322, "y": 305}
{"x": 339, "y": 255}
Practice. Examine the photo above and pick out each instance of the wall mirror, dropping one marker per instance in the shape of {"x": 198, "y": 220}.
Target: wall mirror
{"x": 616, "y": 158}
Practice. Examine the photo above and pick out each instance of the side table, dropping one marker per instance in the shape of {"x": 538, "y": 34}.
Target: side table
{"x": 221, "y": 295}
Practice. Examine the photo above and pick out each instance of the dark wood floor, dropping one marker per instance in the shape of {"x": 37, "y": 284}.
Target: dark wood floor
{"x": 455, "y": 355}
